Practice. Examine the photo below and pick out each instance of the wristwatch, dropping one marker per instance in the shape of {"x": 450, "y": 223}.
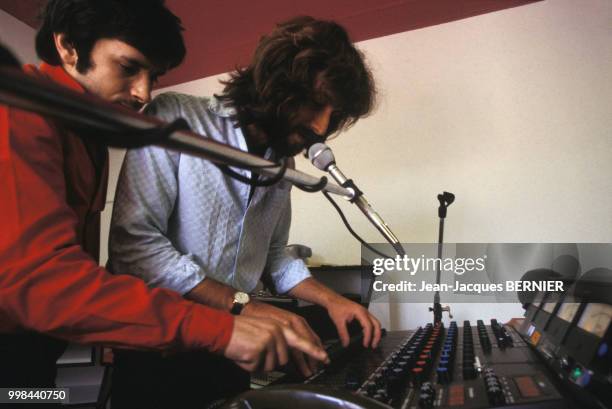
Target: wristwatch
{"x": 240, "y": 300}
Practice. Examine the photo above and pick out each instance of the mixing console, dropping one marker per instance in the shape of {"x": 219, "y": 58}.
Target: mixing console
{"x": 454, "y": 367}
{"x": 558, "y": 356}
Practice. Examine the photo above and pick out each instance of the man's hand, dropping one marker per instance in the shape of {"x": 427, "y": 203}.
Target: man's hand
{"x": 262, "y": 343}
{"x": 307, "y": 365}
{"x": 342, "y": 311}
{"x": 218, "y": 295}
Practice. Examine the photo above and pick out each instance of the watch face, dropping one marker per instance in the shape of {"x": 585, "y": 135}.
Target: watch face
{"x": 241, "y": 297}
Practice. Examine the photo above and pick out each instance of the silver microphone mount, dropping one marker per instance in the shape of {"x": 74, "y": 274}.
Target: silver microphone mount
{"x": 322, "y": 158}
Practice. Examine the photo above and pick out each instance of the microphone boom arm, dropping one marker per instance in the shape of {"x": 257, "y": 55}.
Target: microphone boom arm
{"x": 46, "y": 98}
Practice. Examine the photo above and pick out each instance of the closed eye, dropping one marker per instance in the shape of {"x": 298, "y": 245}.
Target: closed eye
{"x": 129, "y": 69}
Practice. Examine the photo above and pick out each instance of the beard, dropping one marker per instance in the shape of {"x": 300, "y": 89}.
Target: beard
{"x": 288, "y": 140}
{"x": 287, "y": 145}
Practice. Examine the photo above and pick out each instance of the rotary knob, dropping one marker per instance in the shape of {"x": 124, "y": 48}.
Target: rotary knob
{"x": 426, "y": 396}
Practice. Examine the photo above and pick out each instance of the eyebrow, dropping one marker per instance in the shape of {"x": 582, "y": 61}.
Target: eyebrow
{"x": 134, "y": 61}
{"x": 145, "y": 65}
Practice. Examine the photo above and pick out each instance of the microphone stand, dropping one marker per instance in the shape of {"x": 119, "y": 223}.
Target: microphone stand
{"x": 445, "y": 199}
{"x": 116, "y": 126}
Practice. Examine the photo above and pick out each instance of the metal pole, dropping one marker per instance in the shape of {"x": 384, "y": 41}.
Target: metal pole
{"x": 32, "y": 94}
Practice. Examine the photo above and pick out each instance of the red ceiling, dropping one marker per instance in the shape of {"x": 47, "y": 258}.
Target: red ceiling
{"x": 220, "y": 35}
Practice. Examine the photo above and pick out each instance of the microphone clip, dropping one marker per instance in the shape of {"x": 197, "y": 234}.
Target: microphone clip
{"x": 349, "y": 184}
{"x": 445, "y": 199}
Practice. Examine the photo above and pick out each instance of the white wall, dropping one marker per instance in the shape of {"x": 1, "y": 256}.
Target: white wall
{"x": 508, "y": 110}
{"x": 19, "y": 37}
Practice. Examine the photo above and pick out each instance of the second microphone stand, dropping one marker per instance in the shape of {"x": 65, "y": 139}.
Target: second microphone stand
{"x": 445, "y": 199}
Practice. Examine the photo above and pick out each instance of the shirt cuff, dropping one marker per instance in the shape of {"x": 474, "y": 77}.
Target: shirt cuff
{"x": 184, "y": 283}
{"x": 207, "y": 328}
{"x": 295, "y": 272}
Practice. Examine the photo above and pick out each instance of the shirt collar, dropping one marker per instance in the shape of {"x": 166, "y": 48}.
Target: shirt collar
{"x": 57, "y": 74}
{"x": 220, "y": 108}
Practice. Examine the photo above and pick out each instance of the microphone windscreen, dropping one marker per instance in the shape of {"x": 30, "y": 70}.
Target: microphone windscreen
{"x": 567, "y": 265}
{"x": 595, "y": 286}
{"x": 321, "y": 156}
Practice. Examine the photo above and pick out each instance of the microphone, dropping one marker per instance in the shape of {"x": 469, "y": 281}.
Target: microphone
{"x": 322, "y": 158}
{"x": 595, "y": 286}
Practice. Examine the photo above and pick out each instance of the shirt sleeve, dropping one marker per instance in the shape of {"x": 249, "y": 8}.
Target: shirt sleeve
{"x": 144, "y": 202}
{"x": 50, "y": 285}
{"x": 285, "y": 270}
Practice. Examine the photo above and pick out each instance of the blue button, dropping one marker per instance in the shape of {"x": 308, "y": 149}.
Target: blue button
{"x": 603, "y": 349}
{"x": 585, "y": 379}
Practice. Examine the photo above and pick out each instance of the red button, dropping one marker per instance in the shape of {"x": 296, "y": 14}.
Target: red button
{"x": 456, "y": 395}
{"x": 527, "y": 387}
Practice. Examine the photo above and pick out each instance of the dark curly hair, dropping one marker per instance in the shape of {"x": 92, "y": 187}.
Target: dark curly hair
{"x": 146, "y": 25}
{"x": 303, "y": 62}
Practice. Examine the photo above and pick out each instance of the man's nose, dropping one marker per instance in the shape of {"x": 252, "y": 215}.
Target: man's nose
{"x": 141, "y": 88}
{"x": 320, "y": 122}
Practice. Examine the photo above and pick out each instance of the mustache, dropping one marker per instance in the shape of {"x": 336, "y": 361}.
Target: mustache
{"x": 279, "y": 132}
{"x": 133, "y": 104}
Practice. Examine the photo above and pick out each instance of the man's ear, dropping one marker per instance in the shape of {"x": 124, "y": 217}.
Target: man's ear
{"x": 66, "y": 51}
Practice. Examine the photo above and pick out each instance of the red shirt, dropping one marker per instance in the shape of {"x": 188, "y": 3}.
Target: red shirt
{"x": 54, "y": 188}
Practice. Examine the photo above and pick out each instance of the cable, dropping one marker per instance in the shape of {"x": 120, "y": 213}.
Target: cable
{"x": 350, "y": 229}
{"x": 317, "y": 187}
{"x": 267, "y": 182}
{"x": 313, "y": 188}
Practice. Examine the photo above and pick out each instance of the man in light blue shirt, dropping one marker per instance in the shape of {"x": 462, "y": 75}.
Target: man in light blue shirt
{"x": 179, "y": 220}
{"x": 180, "y": 223}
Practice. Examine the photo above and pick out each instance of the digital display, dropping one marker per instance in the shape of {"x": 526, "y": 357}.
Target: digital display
{"x": 596, "y": 319}
{"x": 549, "y": 307}
{"x": 530, "y": 330}
{"x": 568, "y": 311}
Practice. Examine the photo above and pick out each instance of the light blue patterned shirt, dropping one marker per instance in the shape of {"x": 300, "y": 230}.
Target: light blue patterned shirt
{"x": 177, "y": 219}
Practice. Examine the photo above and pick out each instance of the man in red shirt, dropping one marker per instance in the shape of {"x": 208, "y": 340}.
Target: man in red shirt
{"x": 52, "y": 289}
